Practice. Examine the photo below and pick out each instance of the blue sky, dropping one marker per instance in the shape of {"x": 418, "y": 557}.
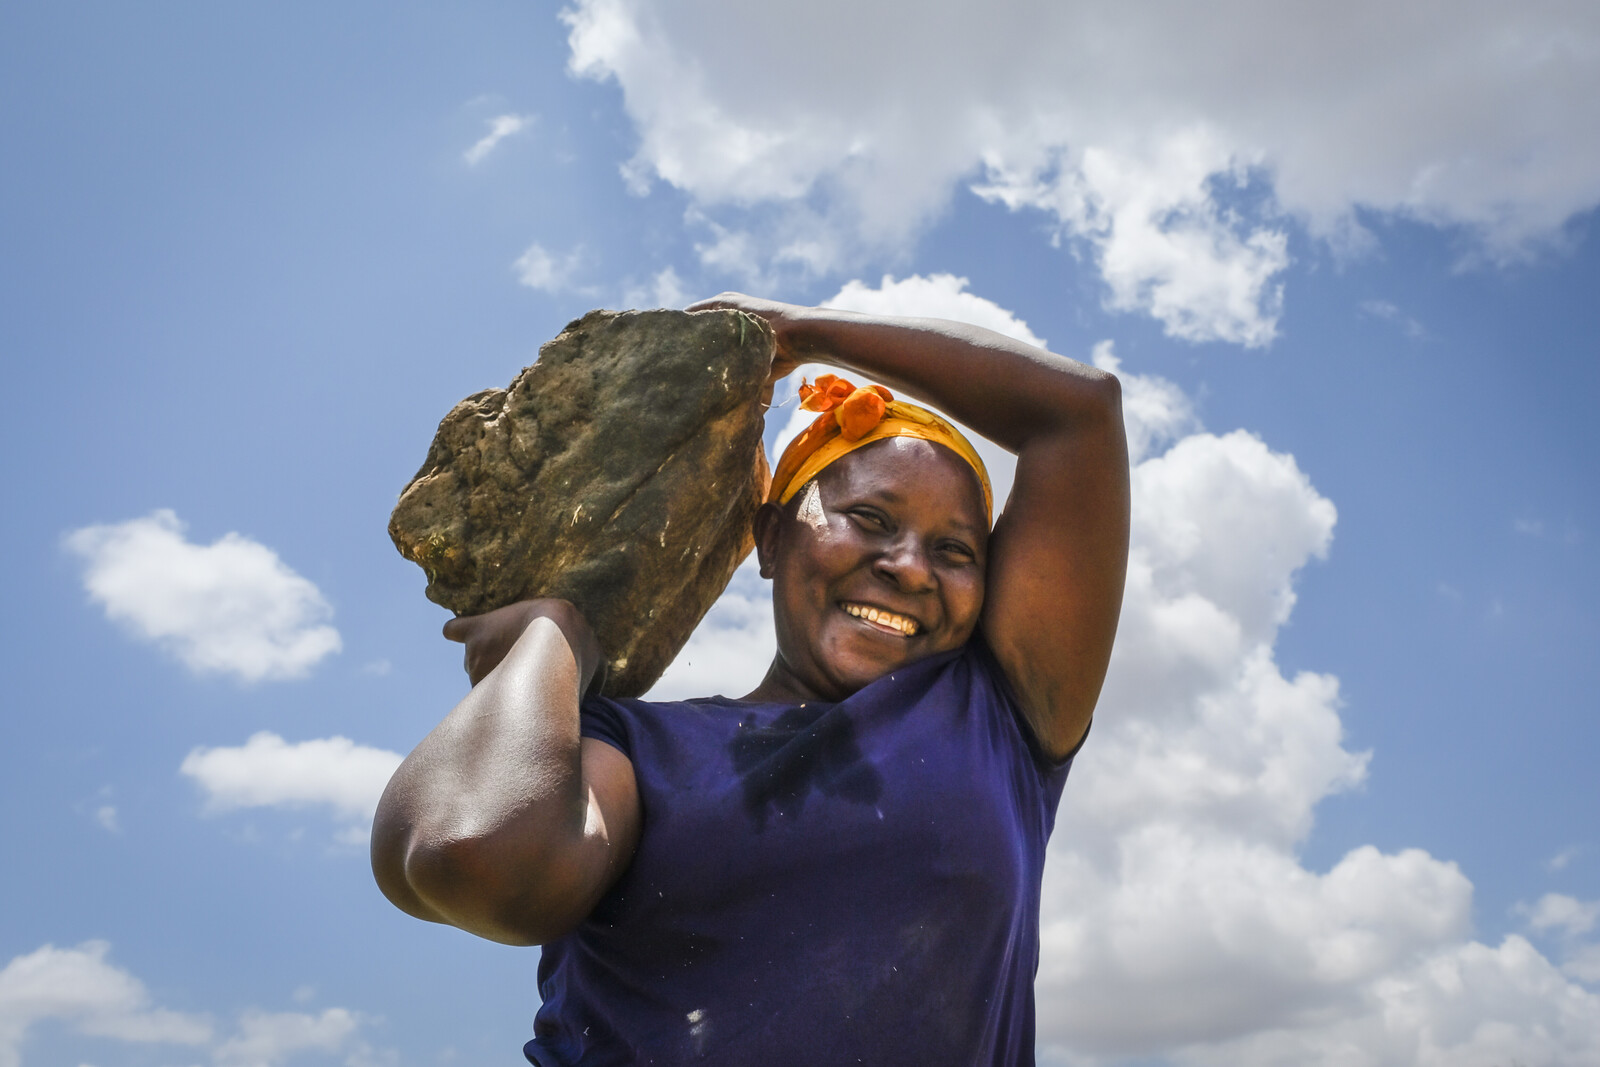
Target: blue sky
{"x": 1339, "y": 794}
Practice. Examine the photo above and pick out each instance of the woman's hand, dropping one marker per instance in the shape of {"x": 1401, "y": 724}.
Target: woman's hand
{"x": 781, "y": 317}
{"x": 490, "y": 636}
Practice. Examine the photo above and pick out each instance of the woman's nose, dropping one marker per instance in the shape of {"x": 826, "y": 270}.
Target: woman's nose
{"x": 906, "y": 564}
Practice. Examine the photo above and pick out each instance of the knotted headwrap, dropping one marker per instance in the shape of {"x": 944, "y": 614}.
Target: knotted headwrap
{"x": 854, "y": 417}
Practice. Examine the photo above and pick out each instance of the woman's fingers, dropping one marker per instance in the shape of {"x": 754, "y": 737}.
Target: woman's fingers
{"x": 487, "y": 637}
{"x": 777, "y": 315}
{"x": 490, "y": 637}
{"x": 728, "y": 299}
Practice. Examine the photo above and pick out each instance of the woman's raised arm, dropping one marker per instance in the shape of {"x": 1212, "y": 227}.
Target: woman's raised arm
{"x": 1059, "y": 551}
{"x": 504, "y": 821}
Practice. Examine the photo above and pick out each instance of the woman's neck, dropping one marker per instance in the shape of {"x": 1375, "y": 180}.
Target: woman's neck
{"x": 781, "y": 686}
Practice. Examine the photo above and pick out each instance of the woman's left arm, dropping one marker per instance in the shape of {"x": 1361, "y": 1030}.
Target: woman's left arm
{"x": 1058, "y": 555}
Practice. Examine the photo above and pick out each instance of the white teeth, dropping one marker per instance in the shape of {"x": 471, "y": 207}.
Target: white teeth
{"x": 883, "y": 618}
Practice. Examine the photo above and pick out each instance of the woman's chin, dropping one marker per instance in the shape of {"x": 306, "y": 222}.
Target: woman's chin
{"x": 862, "y": 658}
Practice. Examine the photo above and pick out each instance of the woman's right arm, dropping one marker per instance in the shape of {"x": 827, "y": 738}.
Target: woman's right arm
{"x": 505, "y": 821}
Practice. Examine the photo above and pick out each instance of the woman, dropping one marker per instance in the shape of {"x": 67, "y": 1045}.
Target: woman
{"x": 842, "y": 866}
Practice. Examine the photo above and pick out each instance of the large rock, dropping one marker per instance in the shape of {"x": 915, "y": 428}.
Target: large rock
{"x": 620, "y": 472}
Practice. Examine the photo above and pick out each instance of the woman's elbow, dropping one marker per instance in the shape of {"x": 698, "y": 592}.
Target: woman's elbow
{"x": 474, "y": 885}
{"x": 1076, "y": 397}
{"x": 1096, "y": 416}
{"x": 390, "y": 851}
{"x": 1104, "y": 393}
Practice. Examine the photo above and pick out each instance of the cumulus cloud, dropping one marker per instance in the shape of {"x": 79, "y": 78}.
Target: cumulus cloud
{"x": 230, "y": 607}
{"x": 664, "y": 290}
{"x": 1388, "y": 311}
{"x": 548, "y": 272}
{"x": 1465, "y": 1003}
{"x": 80, "y": 988}
{"x": 1568, "y": 919}
{"x": 1178, "y": 921}
{"x": 1567, "y": 915}
{"x": 729, "y": 652}
{"x": 268, "y": 772}
{"x": 939, "y": 296}
{"x": 1163, "y": 244}
{"x": 266, "y": 1039}
{"x": 1561, "y": 859}
{"x": 1583, "y": 963}
{"x": 500, "y": 127}
{"x": 1174, "y": 150}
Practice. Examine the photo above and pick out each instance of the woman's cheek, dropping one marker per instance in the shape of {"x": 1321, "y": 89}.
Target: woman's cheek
{"x": 967, "y": 599}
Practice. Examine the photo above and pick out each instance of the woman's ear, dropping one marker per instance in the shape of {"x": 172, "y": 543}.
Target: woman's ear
{"x": 768, "y": 529}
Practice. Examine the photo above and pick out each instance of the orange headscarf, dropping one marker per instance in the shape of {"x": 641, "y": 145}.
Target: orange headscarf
{"x": 854, "y": 417}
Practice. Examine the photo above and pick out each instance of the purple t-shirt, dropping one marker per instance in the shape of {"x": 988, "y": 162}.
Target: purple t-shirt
{"x": 817, "y": 884}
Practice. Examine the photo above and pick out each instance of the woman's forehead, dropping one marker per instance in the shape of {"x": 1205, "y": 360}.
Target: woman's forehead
{"x": 906, "y": 468}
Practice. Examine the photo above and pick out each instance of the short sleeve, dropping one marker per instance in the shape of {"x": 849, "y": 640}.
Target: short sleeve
{"x": 603, "y": 720}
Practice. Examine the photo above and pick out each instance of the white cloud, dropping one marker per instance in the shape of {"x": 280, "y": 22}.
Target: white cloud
{"x": 1583, "y": 963}
{"x": 1163, "y": 244}
{"x": 78, "y": 987}
{"x": 1559, "y": 861}
{"x": 539, "y": 269}
{"x": 729, "y": 652}
{"x": 1466, "y": 1003}
{"x": 230, "y": 607}
{"x": 664, "y": 290}
{"x": 267, "y": 771}
{"x": 1567, "y": 915}
{"x": 1174, "y": 148}
{"x": 106, "y": 816}
{"x": 265, "y": 1039}
{"x": 500, "y": 127}
{"x": 1178, "y": 920}
{"x": 1571, "y": 919}
{"x": 1388, "y": 311}
{"x": 939, "y": 296}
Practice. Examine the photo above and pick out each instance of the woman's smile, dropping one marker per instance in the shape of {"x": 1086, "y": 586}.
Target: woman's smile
{"x": 883, "y": 619}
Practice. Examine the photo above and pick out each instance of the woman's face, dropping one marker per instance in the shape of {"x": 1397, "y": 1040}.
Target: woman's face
{"x": 877, "y": 563}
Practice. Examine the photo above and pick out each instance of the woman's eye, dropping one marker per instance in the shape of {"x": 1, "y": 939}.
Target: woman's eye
{"x": 870, "y": 518}
{"x": 958, "y": 552}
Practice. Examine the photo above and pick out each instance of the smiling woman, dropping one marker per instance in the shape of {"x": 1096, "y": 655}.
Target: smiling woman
{"x": 844, "y": 864}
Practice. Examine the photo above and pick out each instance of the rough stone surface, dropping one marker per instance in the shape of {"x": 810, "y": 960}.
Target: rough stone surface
{"x": 620, "y": 471}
